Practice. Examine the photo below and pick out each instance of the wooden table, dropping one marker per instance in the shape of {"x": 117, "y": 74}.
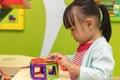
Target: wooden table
{"x": 24, "y": 74}
{"x": 11, "y": 64}
{"x": 16, "y": 65}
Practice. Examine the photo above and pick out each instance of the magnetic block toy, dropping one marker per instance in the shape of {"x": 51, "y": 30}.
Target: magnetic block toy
{"x": 4, "y": 77}
{"x": 44, "y": 69}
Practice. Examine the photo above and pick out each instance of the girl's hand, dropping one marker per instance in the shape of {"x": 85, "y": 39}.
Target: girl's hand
{"x": 64, "y": 61}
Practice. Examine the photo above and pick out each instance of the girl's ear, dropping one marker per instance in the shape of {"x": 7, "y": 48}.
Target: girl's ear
{"x": 90, "y": 23}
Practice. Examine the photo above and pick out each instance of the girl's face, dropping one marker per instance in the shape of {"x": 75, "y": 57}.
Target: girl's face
{"x": 86, "y": 28}
{"x": 80, "y": 32}
{"x": 84, "y": 31}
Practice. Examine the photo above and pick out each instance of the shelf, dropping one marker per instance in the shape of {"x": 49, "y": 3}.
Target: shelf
{"x": 15, "y": 4}
{"x": 115, "y": 19}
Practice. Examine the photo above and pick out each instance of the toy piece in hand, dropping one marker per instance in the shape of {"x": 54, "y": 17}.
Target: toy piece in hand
{"x": 38, "y": 60}
{"x": 62, "y": 67}
{"x": 50, "y": 59}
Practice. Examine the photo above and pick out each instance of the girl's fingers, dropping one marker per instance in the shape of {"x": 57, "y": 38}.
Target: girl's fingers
{"x": 54, "y": 55}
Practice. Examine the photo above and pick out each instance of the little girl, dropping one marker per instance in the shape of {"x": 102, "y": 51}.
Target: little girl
{"x": 90, "y": 26}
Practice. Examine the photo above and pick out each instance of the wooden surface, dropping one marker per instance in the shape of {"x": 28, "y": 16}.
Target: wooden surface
{"x": 11, "y": 64}
{"x": 24, "y": 74}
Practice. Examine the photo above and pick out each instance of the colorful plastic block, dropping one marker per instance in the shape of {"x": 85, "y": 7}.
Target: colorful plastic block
{"x": 43, "y": 69}
{"x": 53, "y": 74}
{"x": 4, "y": 77}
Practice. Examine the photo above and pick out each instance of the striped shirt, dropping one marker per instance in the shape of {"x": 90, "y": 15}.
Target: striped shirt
{"x": 81, "y": 50}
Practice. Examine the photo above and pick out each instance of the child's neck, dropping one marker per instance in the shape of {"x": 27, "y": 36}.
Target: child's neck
{"x": 94, "y": 37}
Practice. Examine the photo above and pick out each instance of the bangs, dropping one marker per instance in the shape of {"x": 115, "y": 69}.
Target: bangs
{"x": 68, "y": 17}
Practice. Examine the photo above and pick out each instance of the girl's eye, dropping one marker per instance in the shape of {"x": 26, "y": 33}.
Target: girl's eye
{"x": 72, "y": 29}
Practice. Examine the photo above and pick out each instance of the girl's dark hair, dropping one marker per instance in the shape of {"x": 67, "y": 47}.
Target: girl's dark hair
{"x": 89, "y": 8}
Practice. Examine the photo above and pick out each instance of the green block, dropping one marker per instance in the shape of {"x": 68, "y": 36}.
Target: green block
{"x": 53, "y": 76}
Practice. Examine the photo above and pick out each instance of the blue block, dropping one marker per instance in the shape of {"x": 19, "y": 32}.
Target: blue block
{"x": 0, "y": 77}
{"x": 53, "y": 70}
